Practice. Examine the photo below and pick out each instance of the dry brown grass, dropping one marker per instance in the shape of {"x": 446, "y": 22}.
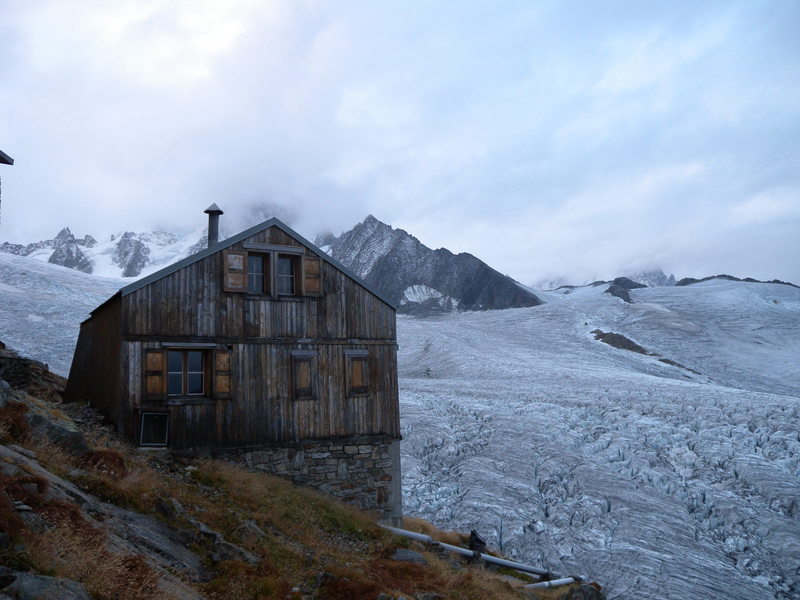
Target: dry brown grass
{"x": 307, "y": 533}
{"x": 454, "y": 538}
{"x": 71, "y": 548}
{"x": 14, "y": 427}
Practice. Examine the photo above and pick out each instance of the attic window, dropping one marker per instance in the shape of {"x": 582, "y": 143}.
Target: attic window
{"x": 273, "y": 271}
{"x": 287, "y": 272}
{"x": 154, "y": 429}
{"x": 258, "y": 273}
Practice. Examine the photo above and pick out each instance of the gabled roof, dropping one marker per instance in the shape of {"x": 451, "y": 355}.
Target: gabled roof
{"x": 5, "y": 159}
{"x": 169, "y": 270}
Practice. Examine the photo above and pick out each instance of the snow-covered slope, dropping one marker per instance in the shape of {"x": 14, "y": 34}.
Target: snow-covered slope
{"x": 42, "y": 306}
{"x": 658, "y": 481}
{"x": 123, "y": 254}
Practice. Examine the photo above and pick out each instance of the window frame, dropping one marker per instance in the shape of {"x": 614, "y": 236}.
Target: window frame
{"x": 142, "y": 416}
{"x": 309, "y": 358}
{"x": 351, "y": 356}
{"x": 305, "y": 277}
{"x": 185, "y": 372}
{"x": 293, "y": 277}
{"x": 266, "y": 269}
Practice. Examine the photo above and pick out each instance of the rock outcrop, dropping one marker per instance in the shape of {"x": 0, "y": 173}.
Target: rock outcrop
{"x": 131, "y": 254}
{"x": 399, "y": 265}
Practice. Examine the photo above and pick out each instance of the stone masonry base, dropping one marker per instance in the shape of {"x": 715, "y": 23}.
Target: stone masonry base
{"x": 364, "y": 472}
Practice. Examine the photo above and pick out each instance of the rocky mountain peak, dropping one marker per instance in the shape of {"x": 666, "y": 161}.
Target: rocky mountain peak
{"x": 131, "y": 253}
{"x": 68, "y": 254}
{"x": 652, "y": 278}
{"x": 65, "y": 235}
{"x": 422, "y": 280}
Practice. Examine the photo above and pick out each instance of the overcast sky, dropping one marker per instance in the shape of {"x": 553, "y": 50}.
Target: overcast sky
{"x": 573, "y": 139}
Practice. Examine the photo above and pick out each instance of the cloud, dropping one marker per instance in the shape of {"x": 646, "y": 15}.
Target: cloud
{"x": 585, "y": 138}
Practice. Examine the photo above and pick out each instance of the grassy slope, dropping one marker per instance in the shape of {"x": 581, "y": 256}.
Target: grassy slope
{"x": 312, "y": 547}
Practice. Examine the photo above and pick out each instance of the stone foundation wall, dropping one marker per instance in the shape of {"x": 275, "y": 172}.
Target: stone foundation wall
{"x": 363, "y": 472}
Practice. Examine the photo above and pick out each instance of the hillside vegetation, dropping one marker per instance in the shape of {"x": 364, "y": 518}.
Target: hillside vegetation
{"x": 108, "y": 521}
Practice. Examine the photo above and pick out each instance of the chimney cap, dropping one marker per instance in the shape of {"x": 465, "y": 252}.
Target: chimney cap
{"x": 213, "y": 210}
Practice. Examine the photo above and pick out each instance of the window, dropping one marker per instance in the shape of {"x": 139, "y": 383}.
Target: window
{"x": 303, "y": 374}
{"x": 186, "y": 373}
{"x": 257, "y": 269}
{"x": 154, "y": 428}
{"x": 176, "y": 370}
{"x": 357, "y": 372}
{"x": 286, "y": 275}
{"x": 274, "y": 271}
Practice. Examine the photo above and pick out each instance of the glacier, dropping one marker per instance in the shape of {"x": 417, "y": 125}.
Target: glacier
{"x": 656, "y": 480}
{"x": 659, "y": 480}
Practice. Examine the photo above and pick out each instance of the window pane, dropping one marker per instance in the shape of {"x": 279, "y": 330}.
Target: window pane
{"x": 195, "y": 361}
{"x": 285, "y": 265}
{"x": 154, "y": 429}
{"x": 286, "y": 286}
{"x": 255, "y": 273}
{"x": 302, "y": 377}
{"x": 358, "y": 372}
{"x": 175, "y": 384}
{"x": 195, "y": 383}
{"x": 174, "y": 361}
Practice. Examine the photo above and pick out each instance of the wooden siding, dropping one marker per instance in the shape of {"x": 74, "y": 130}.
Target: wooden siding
{"x": 258, "y": 334}
{"x": 192, "y": 303}
{"x": 97, "y": 366}
{"x": 262, "y": 411}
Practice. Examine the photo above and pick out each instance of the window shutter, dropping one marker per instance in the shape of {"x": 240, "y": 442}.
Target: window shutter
{"x": 312, "y": 276}
{"x": 154, "y": 373}
{"x": 235, "y": 271}
{"x": 222, "y": 374}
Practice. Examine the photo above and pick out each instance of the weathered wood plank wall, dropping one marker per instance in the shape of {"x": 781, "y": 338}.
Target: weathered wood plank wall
{"x": 97, "y": 366}
{"x": 260, "y": 333}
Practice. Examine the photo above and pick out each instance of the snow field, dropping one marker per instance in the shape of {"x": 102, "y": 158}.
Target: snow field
{"x": 586, "y": 459}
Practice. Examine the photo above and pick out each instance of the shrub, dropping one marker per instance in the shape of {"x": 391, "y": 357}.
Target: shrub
{"x": 14, "y": 426}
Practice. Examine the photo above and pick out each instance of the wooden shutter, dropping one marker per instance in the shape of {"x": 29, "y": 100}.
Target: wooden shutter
{"x": 154, "y": 373}
{"x": 302, "y": 378}
{"x": 312, "y": 276}
{"x": 235, "y": 271}
{"x": 222, "y": 374}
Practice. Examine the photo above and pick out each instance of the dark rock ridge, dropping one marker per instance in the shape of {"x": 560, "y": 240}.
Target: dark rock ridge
{"x": 421, "y": 280}
{"x": 617, "y": 340}
{"x": 620, "y": 292}
{"x": 66, "y": 250}
{"x": 692, "y": 280}
{"x": 654, "y": 278}
{"x": 131, "y": 254}
{"x": 67, "y": 253}
{"x": 620, "y": 286}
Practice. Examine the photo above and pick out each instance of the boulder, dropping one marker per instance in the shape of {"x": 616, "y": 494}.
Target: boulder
{"x": 585, "y": 591}
{"x": 27, "y": 586}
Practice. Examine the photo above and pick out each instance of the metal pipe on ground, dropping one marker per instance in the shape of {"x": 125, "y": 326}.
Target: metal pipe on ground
{"x": 421, "y": 537}
{"x": 549, "y": 584}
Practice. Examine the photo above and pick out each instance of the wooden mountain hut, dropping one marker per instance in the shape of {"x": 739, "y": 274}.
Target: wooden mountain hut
{"x": 260, "y": 348}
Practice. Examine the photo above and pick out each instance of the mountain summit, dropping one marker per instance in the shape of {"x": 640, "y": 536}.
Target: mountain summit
{"x": 421, "y": 280}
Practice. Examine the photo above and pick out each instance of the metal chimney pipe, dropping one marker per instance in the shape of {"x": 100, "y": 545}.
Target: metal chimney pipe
{"x": 213, "y": 213}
